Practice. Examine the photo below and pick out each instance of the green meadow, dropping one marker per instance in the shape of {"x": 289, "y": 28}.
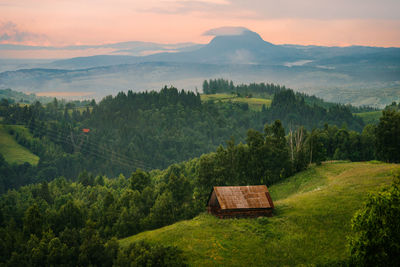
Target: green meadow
{"x": 254, "y": 103}
{"x": 371, "y": 117}
{"x": 11, "y": 150}
{"x": 310, "y": 225}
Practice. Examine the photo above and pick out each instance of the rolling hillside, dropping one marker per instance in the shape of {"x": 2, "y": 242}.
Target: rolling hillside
{"x": 11, "y": 150}
{"x": 311, "y": 222}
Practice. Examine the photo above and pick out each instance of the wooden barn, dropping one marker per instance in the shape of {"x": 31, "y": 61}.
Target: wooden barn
{"x": 240, "y": 201}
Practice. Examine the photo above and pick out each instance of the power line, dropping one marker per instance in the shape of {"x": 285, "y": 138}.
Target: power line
{"x": 94, "y": 148}
{"x": 84, "y": 149}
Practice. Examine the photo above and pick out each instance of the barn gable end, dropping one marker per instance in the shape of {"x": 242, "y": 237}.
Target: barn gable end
{"x": 240, "y": 201}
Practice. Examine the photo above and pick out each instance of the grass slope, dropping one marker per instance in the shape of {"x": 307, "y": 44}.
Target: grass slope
{"x": 11, "y": 150}
{"x": 313, "y": 212}
{"x": 254, "y": 103}
{"x": 371, "y": 117}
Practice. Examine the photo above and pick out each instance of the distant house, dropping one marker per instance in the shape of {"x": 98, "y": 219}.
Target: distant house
{"x": 240, "y": 201}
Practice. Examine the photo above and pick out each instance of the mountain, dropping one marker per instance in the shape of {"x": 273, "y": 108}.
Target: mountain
{"x": 245, "y": 48}
{"x": 95, "y": 55}
{"x": 93, "y": 61}
{"x": 248, "y": 47}
{"x": 356, "y": 74}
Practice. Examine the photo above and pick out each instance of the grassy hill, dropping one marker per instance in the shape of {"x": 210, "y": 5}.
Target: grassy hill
{"x": 11, "y": 150}
{"x": 254, "y": 103}
{"x": 311, "y": 222}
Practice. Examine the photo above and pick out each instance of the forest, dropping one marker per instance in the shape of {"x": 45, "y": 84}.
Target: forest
{"x": 85, "y": 193}
{"x": 66, "y": 222}
{"x": 149, "y": 130}
{"x": 268, "y": 90}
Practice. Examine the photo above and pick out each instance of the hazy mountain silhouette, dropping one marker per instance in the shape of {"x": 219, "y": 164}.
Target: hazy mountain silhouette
{"x": 355, "y": 74}
{"x": 245, "y": 48}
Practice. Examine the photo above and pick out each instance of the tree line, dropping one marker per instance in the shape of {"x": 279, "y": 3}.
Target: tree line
{"x": 268, "y": 90}
{"x": 152, "y": 130}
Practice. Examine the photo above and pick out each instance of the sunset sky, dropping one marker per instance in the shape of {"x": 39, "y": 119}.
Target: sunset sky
{"x": 92, "y": 22}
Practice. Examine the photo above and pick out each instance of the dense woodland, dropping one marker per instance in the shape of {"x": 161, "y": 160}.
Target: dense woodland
{"x": 147, "y": 130}
{"x": 98, "y": 186}
{"x": 77, "y": 223}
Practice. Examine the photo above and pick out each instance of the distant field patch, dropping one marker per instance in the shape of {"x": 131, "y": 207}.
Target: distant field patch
{"x": 217, "y": 97}
{"x": 64, "y": 94}
{"x": 254, "y": 103}
{"x": 370, "y": 117}
{"x": 11, "y": 150}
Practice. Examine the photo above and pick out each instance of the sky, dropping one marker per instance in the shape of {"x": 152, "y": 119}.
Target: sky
{"x": 96, "y": 22}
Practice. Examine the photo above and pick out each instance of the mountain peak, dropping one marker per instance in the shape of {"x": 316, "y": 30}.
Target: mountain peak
{"x": 245, "y": 39}
{"x": 236, "y": 37}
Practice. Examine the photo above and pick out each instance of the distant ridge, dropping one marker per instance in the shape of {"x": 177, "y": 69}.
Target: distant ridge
{"x": 358, "y": 75}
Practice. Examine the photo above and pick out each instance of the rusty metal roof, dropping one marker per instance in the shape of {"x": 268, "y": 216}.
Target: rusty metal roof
{"x": 243, "y": 197}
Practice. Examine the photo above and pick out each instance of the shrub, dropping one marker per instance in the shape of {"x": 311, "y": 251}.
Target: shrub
{"x": 376, "y": 226}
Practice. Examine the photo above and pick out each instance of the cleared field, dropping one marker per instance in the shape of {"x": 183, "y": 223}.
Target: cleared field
{"x": 254, "y": 103}
{"x": 11, "y": 150}
{"x": 312, "y": 220}
{"x": 370, "y": 117}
